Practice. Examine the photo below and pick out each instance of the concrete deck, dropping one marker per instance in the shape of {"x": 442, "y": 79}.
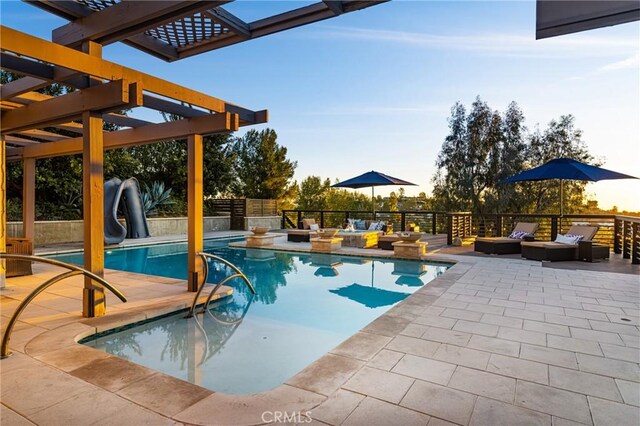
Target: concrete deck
{"x": 492, "y": 341}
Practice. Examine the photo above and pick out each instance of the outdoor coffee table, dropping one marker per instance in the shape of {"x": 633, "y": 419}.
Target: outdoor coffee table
{"x": 360, "y": 239}
{"x": 410, "y": 250}
{"x": 326, "y": 245}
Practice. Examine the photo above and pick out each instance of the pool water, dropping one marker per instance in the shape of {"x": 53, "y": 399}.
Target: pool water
{"x": 306, "y": 304}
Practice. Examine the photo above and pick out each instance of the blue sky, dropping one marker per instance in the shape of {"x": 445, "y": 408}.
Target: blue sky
{"x": 373, "y": 89}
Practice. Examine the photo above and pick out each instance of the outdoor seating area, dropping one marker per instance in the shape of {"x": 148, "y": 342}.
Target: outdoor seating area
{"x": 169, "y": 257}
{"x": 507, "y": 245}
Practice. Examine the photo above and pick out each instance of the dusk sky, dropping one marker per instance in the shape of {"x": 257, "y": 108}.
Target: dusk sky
{"x": 373, "y": 89}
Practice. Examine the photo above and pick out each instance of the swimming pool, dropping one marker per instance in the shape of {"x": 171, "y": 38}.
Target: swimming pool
{"x": 306, "y": 304}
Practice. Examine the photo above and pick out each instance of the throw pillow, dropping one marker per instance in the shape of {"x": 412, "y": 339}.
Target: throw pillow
{"x": 314, "y": 227}
{"x": 381, "y": 226}
{"x": 575, "y": 237}
{"x": 518, "y": 235}
{"x": 361, "y": 225}
{"x": 565, "y": 239}
{"x": 373, "y": 226}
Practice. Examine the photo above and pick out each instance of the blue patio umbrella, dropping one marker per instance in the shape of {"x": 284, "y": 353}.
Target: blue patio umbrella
{"x": 370, "y": 297}
{"x": 372, "y": 179}
{"x": 566, "y": 169}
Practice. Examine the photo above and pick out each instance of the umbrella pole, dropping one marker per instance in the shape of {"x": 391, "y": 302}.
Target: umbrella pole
{"x": 373, "y": 203}
{"x": 561, "y": 197}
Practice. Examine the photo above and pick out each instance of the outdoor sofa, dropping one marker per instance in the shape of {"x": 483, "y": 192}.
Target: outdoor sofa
{"x": 554, "y": 251}
{"x": 306, "y": 233}
{"x": 506, "y": 245}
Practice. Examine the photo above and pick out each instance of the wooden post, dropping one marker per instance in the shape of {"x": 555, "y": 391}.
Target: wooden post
{"x": 498, "y": 225}
{"x": 617, "y": 238}
{"x": 3, "y": 209}
{"x": 434, "y": 223}
{"x": 28, "y": 198}
{"x": 635, "y": 243}
{"x": 626, "y": 246}
{"x": 195, "y": 196}
{"x": 554, "y": 227}
{"x": 93, "y": 301}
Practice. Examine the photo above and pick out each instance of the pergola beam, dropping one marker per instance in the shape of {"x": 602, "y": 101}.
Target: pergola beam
{"x": 16, "y": 140}
{"x": 112, "y": 117}
{"x": 285, "y": 21}
{"x": 180, "y": 129}
{"x": 116, "y": 95}
{"x": 126, "y": 19}
{"x": 24, "y": 44}
{"x": 335, "y": 6}
{"x": 20, "y": 86}
{"x": 25, "y": 66}
{"x": 229, "y": 20}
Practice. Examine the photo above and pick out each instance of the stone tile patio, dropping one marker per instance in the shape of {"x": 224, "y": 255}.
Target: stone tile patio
{"x": 492, "y": 341}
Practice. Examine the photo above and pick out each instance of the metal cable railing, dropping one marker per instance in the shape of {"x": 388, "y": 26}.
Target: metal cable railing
{"x": 72, "y": 271}
{"x": 205, "y": 257}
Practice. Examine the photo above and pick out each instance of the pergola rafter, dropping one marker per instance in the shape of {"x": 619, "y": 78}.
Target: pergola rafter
{"x": 173, "y": 30}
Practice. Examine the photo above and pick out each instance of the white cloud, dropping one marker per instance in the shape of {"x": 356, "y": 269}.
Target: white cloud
{"x": 631, "y": 62}
{"x": 500, "y": 44}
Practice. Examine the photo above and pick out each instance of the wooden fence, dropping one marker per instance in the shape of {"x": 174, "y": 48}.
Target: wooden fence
{"x": 621, "y": 233}
{"x": 239, "y": 208}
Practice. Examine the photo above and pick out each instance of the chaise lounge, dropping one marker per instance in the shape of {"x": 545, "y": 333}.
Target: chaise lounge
{"x": 506, "y": 245}
{"x": 560, "y": 250}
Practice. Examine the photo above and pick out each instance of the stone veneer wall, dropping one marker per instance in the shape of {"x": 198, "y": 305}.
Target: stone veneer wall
{"x": 68, "y": 231}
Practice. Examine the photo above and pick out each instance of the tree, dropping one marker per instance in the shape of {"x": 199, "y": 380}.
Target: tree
{"x": 485, "y": 147}
{"x": 469, "y": 163}
{"x": 261, "y": 167}
{"x": 312, "y": 193}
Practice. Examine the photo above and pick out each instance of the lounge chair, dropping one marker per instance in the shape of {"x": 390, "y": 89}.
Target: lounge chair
{"x": 301, "y": 235}
{"x": 505, "y": 245}
{"x": 556, "y": 251}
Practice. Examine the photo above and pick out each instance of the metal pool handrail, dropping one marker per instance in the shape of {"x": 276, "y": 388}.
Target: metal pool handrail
{"x": 73, "y": 271}
{"x": 238, "y": 274}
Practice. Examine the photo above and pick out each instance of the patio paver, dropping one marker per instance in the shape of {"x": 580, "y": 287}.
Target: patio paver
{"x": 492, "y": 341}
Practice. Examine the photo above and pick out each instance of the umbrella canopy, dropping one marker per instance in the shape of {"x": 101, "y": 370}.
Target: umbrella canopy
{"x": 566, "y": 168}
{"x": 371, "y": 179}
{"x": 370, "y": 297}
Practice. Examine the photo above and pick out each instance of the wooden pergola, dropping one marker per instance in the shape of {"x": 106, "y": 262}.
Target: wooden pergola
{"x": 170, "y": 30}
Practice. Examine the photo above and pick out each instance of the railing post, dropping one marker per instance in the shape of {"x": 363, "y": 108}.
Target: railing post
{"x": 321, "y": 218}
{"x": 284, "y": 212}
{"x": 403, "y": 218}
{"x": 635, "y": 241}
{"x": 554, "y": 228}
{"x": 626, "y": 248}
{"x": 498, "y": 225}
{"x": 434, "y": 223}
{"x": 299, "y": 219}
{"x": 346, "y": 217}
{"x": 449, "y": 229}
{"x": 617, "y": 238}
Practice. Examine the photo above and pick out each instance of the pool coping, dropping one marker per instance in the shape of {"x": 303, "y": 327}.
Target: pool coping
{"x": 301, "y": 393}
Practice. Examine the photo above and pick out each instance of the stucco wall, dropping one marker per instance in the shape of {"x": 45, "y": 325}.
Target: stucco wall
{"x": 273, "y": 222}
{"x": 67, "y": 231}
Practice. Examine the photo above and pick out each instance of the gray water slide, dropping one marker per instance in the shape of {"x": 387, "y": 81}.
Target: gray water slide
{"x": 132, "y": 207}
